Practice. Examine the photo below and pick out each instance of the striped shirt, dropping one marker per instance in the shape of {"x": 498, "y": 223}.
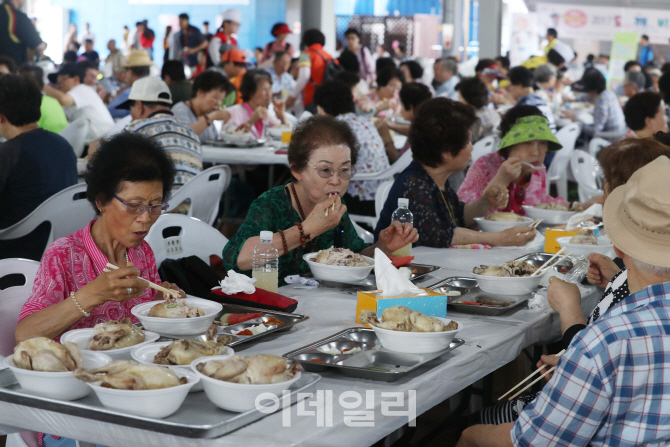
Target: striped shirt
{"x": 178, "y": 140}
{"x": 75, "y": 260}
{"x": 612, "y": 385}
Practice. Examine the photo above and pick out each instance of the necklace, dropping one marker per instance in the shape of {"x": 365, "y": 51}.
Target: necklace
{"x": 451, "y": 213}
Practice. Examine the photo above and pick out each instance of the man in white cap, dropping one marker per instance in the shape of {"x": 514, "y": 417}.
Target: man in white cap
{"x": 149, "y": 104}
{"x": 224, "y": 40}
{"x": 612, "y": 385}
{"x": 137, "y": 66}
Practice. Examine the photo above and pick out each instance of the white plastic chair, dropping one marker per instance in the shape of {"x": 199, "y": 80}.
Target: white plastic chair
{"x": 67, "y": 211}
{"x": 204, "y": 191}
{"x": 364, "y": 234}
{"x": 484, "y": 147}
{"x": 558, "y": 170}
{"x": 195, "y": 238}
{"x": 382, "y": 195}
{"x": 596, "y": 144}
{"x": 75, "y": 134}
{"x": 585, "y": 169}
{"x": 12, "y": 299}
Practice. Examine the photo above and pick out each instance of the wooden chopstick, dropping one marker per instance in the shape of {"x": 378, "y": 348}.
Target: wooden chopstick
{"x": 555, "y": 263}
{"x": 173, "y": 293}
{"x": 332, "y": 208}
{"x": 536, "y": 272}
{"x": 527, "y": 378}
{"x": 535, "y": 223}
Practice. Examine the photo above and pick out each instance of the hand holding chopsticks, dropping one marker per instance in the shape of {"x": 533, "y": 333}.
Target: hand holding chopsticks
{"x": 166, "y": 292}
{"x": 542, "y": 270}
{"x": 528, "y": 378}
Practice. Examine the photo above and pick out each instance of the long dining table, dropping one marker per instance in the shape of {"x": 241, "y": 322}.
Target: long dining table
{"x": 490, "y": 343}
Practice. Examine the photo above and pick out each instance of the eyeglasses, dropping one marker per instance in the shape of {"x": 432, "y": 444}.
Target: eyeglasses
{"x": 139, "y": 208}
{"x": 343, "y": 173}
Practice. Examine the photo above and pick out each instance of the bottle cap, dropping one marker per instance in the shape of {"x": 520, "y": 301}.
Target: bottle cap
{"x": 403, "y": 202}
{"x": 266, "y": 236}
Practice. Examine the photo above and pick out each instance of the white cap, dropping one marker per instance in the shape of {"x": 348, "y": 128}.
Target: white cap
{"x": 266, "y": 235}
{"x": 232, "y": 15}
{"x": 403, "y": 202}
{"x": 148, "y": 89}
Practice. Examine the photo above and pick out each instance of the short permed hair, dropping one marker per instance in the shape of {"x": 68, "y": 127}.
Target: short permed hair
{"x": 520, "y": 76}
{"x": 211, "y": 80}
{"x": 9, "y": 63}
{"x": 317, "y": 131}
{"x": 174, "y": 69}
{"x": 32, "y": 72}
{"x": 440, "y": 125}
{"x": 640, "y": 107}
{"x": 415, "y": 69}
{"x": 20, "y": 100}
{"x": 130, "y": 157}
{"x": 387, "y": 74}
{"x": 335, "y": 98}
{"x": 413, "y": 94}
{"x": 250, "y": 81}
{"x": 620, "y": 160}
{"x": 474, "y": 91}
{"x": 349, "y": 61}
{"x": 312, "y": 36}
{"x": 348, "y": 78}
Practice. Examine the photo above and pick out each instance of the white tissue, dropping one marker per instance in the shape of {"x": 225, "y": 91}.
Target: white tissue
{"x": 595, "y": 210}
{"x": 389, "y": 279}
{"x": 237, "y": 283}
{"x": 297, "y": 279}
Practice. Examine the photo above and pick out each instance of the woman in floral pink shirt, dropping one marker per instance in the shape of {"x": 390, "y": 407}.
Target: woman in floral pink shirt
{"x": 128, "y": 180}
{"x": 518, "y": 163}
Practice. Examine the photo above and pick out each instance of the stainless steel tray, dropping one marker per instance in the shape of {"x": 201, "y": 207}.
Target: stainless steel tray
{"x": 373, "y": 362}
{"x": 223, "y": 143}
{"x": 538, "y": 259}
{"x": 470, "y": 291}
{"x": 196, "y": 418}
{"x": 418, "y": 272}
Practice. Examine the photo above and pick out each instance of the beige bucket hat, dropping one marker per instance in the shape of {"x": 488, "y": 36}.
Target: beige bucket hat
{"x": 138, "y": 58}
{"x": 637, "y": 214}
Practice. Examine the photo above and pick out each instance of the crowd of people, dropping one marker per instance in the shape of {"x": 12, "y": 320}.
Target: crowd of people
{"x": 146, "y": 128}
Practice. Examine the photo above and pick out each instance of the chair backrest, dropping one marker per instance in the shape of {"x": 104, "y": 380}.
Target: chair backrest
{"x": 190, "y": 237}
{"x": 364, "y": 234}
{"x": 381, "y": 196}
{"x": 12, "y": 299}
{"x": 596, "y": 144}
{"x": 586, "y": 170}
{"x": 67, "y": 211}
{"x": 567, "y": 136}
{"x": 204, "y": 191}
{"x": 484, "y": 146}
{"x": 401, "y": 163}
{"x": 75, "y": 134}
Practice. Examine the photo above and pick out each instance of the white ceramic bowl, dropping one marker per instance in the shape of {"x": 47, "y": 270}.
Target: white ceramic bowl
{"x": 338, "y": 273}
{"x": 549, "y": 217}
{"x": 147, "y": 403}
{"x": 499, "y": 285}
{"x": 57, "y": 385}
{"x": 236, "y": 139}
{"x": 237, "y": 397}
{"x": 276, "y": 132}
{"x": 495, "y": 226}
{"x": 178, "y": 326}
{"x": 604, "y": 247}
{"x": 416, "y": 342}
{"x": 82, "y": 337}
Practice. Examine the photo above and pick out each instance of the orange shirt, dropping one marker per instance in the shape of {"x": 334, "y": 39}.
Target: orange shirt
{"x": 237, "y": 81}
{"x": 310, "y": 58}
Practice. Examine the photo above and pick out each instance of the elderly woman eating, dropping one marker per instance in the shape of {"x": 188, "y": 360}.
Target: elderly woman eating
{"x": 253, "y": 114}
{"x": 129, "y": 180}
{"x": 518, "y": 164}
{"x": 308, "y": 213}
{"x": 440, "y": 139}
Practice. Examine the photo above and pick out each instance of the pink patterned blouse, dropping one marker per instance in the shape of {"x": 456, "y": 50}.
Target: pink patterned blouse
{"x": 72, "y": 262}
{"x": 486, "y": 167}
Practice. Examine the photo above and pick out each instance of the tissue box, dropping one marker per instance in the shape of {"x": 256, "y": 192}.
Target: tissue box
{"x": 550, "y": 243}
{"x": 429, "y": 302}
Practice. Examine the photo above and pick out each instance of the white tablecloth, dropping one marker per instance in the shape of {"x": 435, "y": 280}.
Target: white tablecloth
{"x": 264, "y": 155}
{"x": 491, "y": 342}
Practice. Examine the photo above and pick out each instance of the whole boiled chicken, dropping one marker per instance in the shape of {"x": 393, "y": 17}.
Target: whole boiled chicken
{"x": 115, "y": 335}
{"x": 552, "y": 206}
{"x": 175, "y": 308}
{"x": 44, "y": 354}
{"x": 129, "y": 375}
{"x": 255, "y": 370}
{"x": 505, "y": 217}
{"x": 401, "y": 318}
{"x": 183, "y": 352}
{"x": 584, "y": 237}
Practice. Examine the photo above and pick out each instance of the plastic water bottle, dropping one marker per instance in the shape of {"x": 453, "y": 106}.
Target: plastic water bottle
{"x": 403, "y": 215}
{"x": 266, "y": 264}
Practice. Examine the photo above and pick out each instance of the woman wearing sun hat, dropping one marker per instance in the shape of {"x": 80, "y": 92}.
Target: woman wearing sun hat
{"x": 280, "y": 31}
{"x": 518, "y": 163}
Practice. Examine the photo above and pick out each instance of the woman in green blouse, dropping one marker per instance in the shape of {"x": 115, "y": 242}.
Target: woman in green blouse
{"x": 308, "y": 214}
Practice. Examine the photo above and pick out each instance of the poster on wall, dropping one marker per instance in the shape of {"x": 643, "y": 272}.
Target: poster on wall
{"x": 525, "y": 40}
{"x": 602, "y": 23}
{"x": 624, "y": 49}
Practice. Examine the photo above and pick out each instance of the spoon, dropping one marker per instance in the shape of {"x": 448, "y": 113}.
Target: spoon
{"x": 532, "y": 166}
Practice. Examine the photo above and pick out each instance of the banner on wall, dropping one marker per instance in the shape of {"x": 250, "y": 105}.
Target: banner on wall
{"x": 525, "y": 39}
{"x": 602, "y": 23}
{"x": 624, "y": 48}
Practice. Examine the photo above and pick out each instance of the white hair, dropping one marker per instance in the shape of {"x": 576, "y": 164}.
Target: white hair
{"x": 653, "y": 269}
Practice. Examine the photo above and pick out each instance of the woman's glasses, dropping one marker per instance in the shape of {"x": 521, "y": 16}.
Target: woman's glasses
{"x": 139, "y": 208}
{"x": 343, "y": 173}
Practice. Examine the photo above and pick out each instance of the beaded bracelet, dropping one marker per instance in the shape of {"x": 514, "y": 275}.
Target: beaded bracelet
{"x": 303, "y": 237}
{"x": 76, "y": 303}
{"x": 283, "y": 241}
